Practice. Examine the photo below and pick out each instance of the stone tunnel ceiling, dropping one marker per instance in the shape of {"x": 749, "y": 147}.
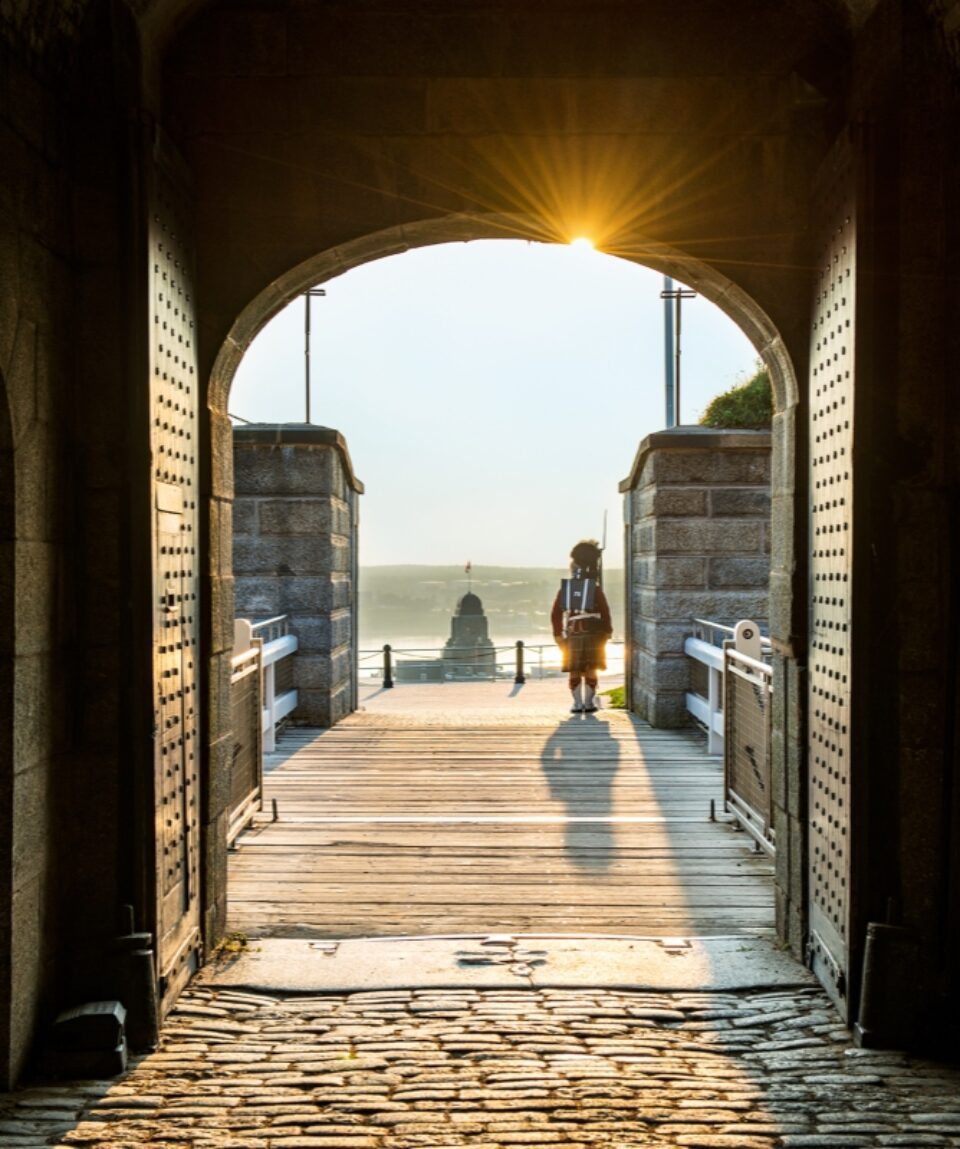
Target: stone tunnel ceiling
{"x": 39, "y": 23}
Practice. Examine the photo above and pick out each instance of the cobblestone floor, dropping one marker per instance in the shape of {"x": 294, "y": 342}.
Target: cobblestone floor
{"x": 486, "y": 1069}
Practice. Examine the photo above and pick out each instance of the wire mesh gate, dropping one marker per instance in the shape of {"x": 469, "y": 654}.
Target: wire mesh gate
{"x": 748, "y": 691}
{"x": 246, "y": 767}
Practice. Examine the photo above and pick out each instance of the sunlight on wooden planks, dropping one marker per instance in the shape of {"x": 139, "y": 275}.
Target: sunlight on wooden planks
{"x": 594, "y": 825}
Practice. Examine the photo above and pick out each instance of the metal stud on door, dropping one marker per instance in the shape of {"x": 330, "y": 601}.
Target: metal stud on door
{"x": 173, "y": 405}
{"x": 831, "y": 429}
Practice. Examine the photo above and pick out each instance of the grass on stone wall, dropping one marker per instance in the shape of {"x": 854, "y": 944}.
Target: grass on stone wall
{"x": 747, "y": 406}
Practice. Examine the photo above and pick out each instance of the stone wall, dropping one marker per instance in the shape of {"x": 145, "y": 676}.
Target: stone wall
{"x": 66, "y": 488}
{"x": 697, "y": 516}
{"x": 295, "y": 553}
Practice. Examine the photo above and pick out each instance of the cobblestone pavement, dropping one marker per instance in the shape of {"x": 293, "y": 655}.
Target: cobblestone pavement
{"x": 486, "y": 1069}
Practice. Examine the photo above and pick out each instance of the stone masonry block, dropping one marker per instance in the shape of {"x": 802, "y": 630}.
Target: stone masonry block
{"x": 781, "y": 533}
{"x": 698, "y": 536}
{"x": 305, "y": 594}
{"x": 311, "y": 671}
{"x": 660, "y": 501}
{"x": 321, "y": 633}
{"x": 221, "y": 457}
{"x": 27, "y": 958}
{"x": 313, "y": 708}
{"x": 671, "y": 571}
{"x": 245, "y": 517}
{"x": 313, "y": 634}
{"x": 275, "y": 469}
{"x": 739, "y": 503}
{"x": 340, "y": 700}
{"x": 341, "y": 664}
{"x": 257, "y": 596}
{"x": 221, "y": 534}
{"x": 780, "y": 605}
{"x": 295, "y": 517}
{"x": 218, "y": 777}
{"x": 36, "y": 567}
{"x": 660, "y": 638}
{"x": 644, "y": 537}
{"x": 299, "y": 555}
{"x": 738, "y": 572}
{"x": 37, "y": 733}
{"x": 342, "y": 589}
{"x": 222, "y": 612}
{"x": 220, "y": 698}
{"x": 712, "y": 467}
{"x": 667, "y": 710}
{"x": 32, "y": 814}
{"x": 341, "y": 516}
{"x": 716, "y": 605}
{"x": 667, "y": 672}
{"x": 642, "y": 701}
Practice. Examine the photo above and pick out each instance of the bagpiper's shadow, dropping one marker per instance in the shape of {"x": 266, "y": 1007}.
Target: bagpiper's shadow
{"x": 580, "y": 762}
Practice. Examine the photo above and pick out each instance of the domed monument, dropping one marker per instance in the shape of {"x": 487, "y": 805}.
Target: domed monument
{"x": 468, "y": 652}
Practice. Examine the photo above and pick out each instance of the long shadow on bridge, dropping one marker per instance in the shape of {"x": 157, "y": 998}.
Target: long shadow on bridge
{"x": 457, "y": 817}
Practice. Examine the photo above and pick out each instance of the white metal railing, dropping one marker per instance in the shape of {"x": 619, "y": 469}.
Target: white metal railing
{"x": 736, "y": 710}
{"x": 275, "y": 644}
{"x": 706, "y": 646}
{"x": 276, "y": 706}
{"x": 708, "y": 708}
{"x": 269, "y": 629}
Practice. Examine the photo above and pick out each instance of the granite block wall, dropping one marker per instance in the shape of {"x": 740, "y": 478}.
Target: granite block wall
{"x": 296, "y": 502}
{"x": 697, "y": 520}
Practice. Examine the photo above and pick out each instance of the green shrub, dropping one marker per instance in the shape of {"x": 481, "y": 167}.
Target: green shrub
{"x": 748, "y": 405}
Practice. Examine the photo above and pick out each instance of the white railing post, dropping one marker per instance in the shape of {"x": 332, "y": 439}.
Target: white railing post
{"x": 714, "y": 701}
{"x": 269, "y": 707}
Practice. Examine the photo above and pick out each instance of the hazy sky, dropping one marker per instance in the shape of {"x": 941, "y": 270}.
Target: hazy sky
{"x": 492, "y": 394}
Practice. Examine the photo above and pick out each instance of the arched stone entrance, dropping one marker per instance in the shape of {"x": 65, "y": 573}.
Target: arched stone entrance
{"x": 306, "y": 128}
{"x": 709, "y": 281}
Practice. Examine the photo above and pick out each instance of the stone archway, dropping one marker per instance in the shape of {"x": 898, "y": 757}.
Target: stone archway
{"x": 733, "y": 300}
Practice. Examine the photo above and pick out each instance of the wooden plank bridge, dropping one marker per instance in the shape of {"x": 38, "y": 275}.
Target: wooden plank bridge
{"x": 399, "y": 824}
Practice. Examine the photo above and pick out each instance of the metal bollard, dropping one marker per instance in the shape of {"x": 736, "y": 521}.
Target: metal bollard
{"x": 520, "y": 676}
{"x": 387, "y": 666}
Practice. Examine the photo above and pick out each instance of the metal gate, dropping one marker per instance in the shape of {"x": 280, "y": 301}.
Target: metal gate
{"x": 747, "y": 727}
{"x": 176, "y": 627}
{"x": 831, "y": 399}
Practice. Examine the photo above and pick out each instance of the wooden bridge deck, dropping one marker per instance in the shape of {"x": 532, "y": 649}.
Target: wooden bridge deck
{"x": 596, "y": 825}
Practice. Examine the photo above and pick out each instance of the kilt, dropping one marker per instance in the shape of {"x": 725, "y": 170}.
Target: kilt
{"x": 584, "y": 652}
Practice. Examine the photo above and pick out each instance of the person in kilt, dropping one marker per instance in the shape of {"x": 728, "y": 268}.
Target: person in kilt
{"x": 581, "y": 625}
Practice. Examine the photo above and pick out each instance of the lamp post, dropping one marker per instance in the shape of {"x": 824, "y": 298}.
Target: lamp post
{"x": 309, "y": 294}
{"x": 672, "y": 332}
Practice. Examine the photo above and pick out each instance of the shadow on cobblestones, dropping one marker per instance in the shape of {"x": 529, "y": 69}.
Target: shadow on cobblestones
{"x": 491, "y": 1069}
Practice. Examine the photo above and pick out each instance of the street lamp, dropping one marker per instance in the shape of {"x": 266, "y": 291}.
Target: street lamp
{"x": 309, "y": 294}
{"x": 672, "y": 365}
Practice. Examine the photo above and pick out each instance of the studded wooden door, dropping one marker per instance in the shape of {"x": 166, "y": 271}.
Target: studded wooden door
{"x": 832, "y": 380}
{"x": 173, "y": 407}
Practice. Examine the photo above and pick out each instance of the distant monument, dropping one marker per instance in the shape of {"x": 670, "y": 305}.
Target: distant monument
{"x": 468, "y": 652}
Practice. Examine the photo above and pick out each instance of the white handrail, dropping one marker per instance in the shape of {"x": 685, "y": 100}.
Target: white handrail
{"x": 276, "y": 707}
{"x": 708, "y": 711}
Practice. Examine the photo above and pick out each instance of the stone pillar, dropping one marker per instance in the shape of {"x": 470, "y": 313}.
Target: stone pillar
{"x": 296, "y": 502}
{"x": 697, "y": 532}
